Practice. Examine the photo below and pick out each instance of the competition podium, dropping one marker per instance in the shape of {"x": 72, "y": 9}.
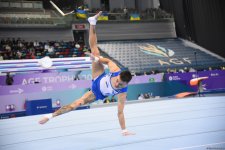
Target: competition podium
{"x": 41, "y": 106}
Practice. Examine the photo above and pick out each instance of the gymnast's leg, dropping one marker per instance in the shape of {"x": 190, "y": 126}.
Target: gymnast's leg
{"x": 86, "y": 98}
{"x": 97, "y": 68}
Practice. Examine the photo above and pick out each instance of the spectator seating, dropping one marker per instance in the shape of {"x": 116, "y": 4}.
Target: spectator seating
{"x": 20, "y": 49}
{"x": 177, "y": 55}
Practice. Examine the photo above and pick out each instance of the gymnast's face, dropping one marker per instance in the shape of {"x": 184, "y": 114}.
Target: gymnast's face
{"x": 119, "y": 83}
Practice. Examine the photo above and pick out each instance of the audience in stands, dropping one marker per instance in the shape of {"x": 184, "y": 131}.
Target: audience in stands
{"x": 21, "y": 49}
{"x": 222, "y": 68}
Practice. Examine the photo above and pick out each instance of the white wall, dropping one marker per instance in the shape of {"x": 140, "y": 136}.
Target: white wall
{"x": 144, "y": 4}
{"x": 121, "y": 4}
{"x": 116, "y": 4}
{"x": 93, "y": 3}
{"x": 130, "y": 3}
{"x": 155, "y": 3}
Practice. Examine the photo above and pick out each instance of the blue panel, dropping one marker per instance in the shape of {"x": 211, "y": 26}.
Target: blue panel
{"x": 162, "y": 89}
{"x": 42, "y": 106}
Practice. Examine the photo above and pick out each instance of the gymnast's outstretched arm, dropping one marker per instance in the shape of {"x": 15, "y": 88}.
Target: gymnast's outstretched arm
{"x": 121, "y": 103}
{"x": 112, "y": 66}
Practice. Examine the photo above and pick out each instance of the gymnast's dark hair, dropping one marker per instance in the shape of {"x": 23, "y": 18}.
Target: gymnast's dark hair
{"x": 125, "y": 76}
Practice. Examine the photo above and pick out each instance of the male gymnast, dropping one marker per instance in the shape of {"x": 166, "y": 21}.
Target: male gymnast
{"x": 104, "y": 84}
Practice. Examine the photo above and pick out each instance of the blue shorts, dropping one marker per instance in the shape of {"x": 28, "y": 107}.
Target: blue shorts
{"x": 96, "y": 87}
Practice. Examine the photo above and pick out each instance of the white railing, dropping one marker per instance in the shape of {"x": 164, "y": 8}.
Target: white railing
{"x": 78, "y": 63}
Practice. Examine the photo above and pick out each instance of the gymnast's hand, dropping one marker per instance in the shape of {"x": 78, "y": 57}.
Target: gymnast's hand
{"x": 127, "y": 133}
{"x": 45, "y": 119}
{"x": 92, "y": 57}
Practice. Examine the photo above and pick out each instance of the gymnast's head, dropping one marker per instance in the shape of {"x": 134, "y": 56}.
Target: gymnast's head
{"x": 123, "y": 79}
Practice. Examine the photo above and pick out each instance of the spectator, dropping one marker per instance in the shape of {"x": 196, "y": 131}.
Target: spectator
{"x": 181, "y": 70}
{"x": 152, "y": 72}
{"x": 107, "y": 100}
{"x": 125, "y": 11}
{"x": 168, "y": 70}
{"x": 192, "y": 70}
{"x": 9, "y": 79}
{"x": 19, "y": 55}
{"x": 50, "y": 49}
{"x": 150, "y": 95}
{"x": 146, "y": 96}
{"x": 140, "y": 97}
{"x": 76, "y": 78}
{"x": 133, "y": 73}
{"x": 186, "y": 69}
{"x": 5, "y": 56}
{"x": 36, "y": 44}
{"x": 1, "y": 57}
{"x": 33, "y": 55}
{"x": 113, "y": 99}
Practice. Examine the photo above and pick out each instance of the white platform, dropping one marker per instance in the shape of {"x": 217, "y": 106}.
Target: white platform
{"x": 190, "y": 123}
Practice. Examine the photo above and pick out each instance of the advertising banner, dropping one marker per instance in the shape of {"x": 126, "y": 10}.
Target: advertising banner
{"x": 216, "y": 78}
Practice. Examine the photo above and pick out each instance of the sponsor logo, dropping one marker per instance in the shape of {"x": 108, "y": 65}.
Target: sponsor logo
{"x": 157, "y": 50}
{"x": 46, "y": 88}
{"x": 166, "y": 55}
{"x": 172, "y": 78}
{"x": 42, "y": 107}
